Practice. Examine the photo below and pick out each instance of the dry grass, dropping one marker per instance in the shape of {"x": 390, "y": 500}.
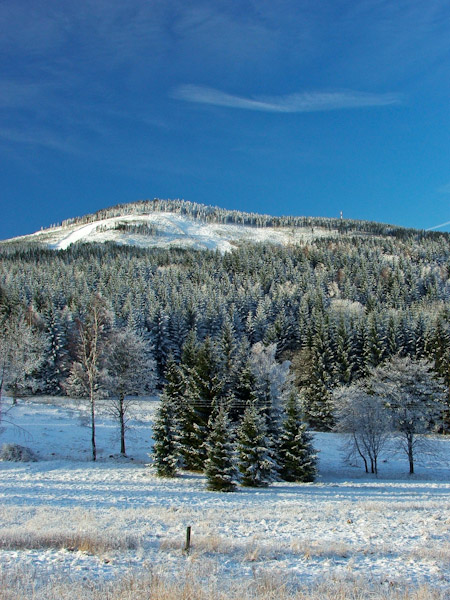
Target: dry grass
{"x": 155, "y": 587}
{"x": 437, "y": 552}
{"x": 70, "y": 529}
{"x": 90, "y": 543}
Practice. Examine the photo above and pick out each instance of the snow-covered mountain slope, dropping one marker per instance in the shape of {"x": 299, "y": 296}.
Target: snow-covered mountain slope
{"x": 166, "y": 229}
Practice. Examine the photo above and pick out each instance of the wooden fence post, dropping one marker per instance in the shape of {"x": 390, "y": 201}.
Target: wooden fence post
{"x": 187, "y": 546}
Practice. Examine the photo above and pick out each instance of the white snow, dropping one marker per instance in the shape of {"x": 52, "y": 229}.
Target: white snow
{"x": 173, "y": 230}
{"x": 389, "y": 530}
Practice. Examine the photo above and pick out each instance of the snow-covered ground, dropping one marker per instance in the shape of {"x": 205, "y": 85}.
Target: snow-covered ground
{"x": 64, "y": 515}
{"x": 172, "y": 230}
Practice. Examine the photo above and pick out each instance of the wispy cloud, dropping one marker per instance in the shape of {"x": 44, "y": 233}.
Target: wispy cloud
{"x": 438, "y": 226}
{"x": 41, "y": 137}
{"x": 290, "y": 103}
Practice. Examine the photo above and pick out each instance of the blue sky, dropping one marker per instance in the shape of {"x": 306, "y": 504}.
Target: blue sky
{"x": 276, "y": 106}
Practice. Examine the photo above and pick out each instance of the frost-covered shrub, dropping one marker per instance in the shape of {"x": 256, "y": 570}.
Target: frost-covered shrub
{"x": 16, "y": 453}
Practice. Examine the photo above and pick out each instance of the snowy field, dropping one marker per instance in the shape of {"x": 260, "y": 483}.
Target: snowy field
{"x": 64, "y": 516}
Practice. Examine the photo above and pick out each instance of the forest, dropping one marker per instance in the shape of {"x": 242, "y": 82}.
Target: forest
{"x": 312, "y": 317}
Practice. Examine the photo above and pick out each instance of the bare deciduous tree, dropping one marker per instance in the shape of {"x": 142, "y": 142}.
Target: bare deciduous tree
{"x": 363, "y": 417}
{"x": 88, "y": 375}
{"x": 131, "y": 371}
{"x": 415, "y": 397}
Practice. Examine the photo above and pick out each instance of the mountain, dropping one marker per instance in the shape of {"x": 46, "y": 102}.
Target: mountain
{"x": 177, "y": 223}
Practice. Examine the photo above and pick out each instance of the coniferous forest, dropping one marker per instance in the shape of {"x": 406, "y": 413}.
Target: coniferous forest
{"x": 239, "y": 330}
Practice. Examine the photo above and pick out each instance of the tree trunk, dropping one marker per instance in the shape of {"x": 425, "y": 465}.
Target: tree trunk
{"x": 360, "y": 453}
{"x": 1, "y": 398}
{"x": 94, "y": 447}
{"x": 122, "y": 425}
{"x": 411, "y": 456}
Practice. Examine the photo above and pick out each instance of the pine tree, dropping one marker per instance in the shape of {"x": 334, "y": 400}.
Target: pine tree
{"x": 203, "y": 392}
{"x": 165, "y": 448}
{"x": 376, "y": 342}
{"x": 271, "y": 381}
{"x": 160, "y": 338}
{"x": 175, "y": 385}
{"x": 317, "y": 399}
{"x": 243, "y": 390}
{"x": 228, "y": 349}
{"x": 181, "y": 392}
{"x": 207, "y": 380}
{"x": 189, "y": 350}
{"x": 49, "y": 374}
{"x": 296, "y": 453}
{"x": 343, "y": 352}
{"x": 220, "y": 468}
{"x": 193, "y": 433}
{"x": 256, "y": 463}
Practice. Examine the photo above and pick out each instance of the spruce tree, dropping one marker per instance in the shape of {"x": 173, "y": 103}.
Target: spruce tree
{"x": 165, "y": 448}
{"x": 343, "y": 352}
{"x": 220, "y": 468}
{"x": 256, "y": 463}
{"x": 181, "y": 390}
{"x": 193, "y": 432}
{"x": 317, "y": 400}
{"x": 203, "y": 391}
{"x": 243, "y": 391}
{"x": 296, "y": 453}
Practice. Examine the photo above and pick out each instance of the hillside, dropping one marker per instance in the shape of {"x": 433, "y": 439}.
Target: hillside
{"x": 177, "y": 223}
{"x": 167, "y": 229}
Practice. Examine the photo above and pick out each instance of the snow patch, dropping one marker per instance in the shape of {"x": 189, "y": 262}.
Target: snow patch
{"x": 171, "y": 229}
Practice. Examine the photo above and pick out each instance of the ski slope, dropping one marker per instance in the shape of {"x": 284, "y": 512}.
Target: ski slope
{"x": 172, "y": 230}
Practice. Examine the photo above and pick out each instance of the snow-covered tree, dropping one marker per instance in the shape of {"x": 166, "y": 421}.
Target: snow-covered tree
{"x": 190, "y": 436}
{"x": 165, "y": 435}
{"x": 255, "y": 457}
{"x": 415, "y": 396}
{"x": 203, "y": 391}
{"x": 193, "y": 430}
{"x": 131, "y": 371}
{"x": 271, "y": 379}
{"x": 21, "y": 351}
{"x": 88, "y": 375}
{"x": 296, "y": 453}
{"x": 363, "y": 417}
{"x": 207, "y": 380}
{"x": 317, "y": 395}
{"x": 220, "y": 468}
